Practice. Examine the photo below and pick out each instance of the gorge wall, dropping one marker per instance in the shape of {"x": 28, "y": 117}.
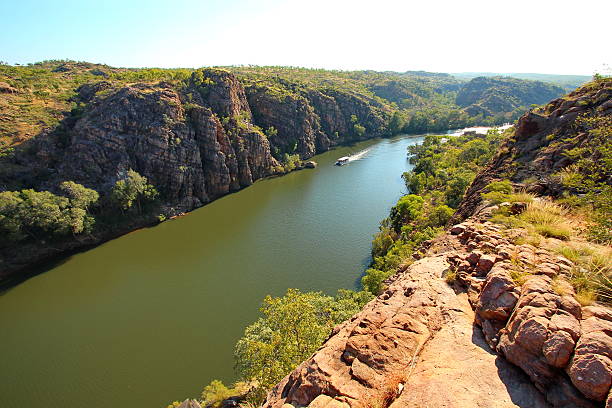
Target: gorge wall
{"x": 194, "y": 141}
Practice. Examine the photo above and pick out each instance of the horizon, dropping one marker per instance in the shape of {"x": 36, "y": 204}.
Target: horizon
{"x": 445, "y": 37}
{"x": 480, "y": 73}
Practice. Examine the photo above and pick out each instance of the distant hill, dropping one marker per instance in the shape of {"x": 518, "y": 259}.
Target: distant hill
{"x": 491, "y": 95}
{"x": 567, "y": 82}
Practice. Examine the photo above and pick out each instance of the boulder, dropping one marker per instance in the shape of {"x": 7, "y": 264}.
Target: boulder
{"x": 485, "y": 263}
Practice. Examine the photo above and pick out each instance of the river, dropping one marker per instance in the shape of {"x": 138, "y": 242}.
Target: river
{"x": 153, "y": 316}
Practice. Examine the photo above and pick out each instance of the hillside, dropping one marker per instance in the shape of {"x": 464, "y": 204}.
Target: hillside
{"x": 567, "y": 82}
{"x": 89, "y": 152}
{"x": 489, "y": 96}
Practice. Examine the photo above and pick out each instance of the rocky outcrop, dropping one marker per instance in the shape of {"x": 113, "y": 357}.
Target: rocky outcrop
{"x": 507, "y": 332}
{"x": 194, "y": 140}
{"x": 539, "y": 145}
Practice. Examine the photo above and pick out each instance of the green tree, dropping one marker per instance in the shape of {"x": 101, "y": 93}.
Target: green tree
{"x": 397, "y": 123}
{"x": 40, "y": 214}
{"x": 408, "y": 208}
{"x": 133, "y": 189}
{"x": 80, "y": 196}
{"x": 291, "y": 329}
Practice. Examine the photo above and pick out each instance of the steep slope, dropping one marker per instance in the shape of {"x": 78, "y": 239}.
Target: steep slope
{"x": 542, "y": 144}
{"x": 194, "y": 140}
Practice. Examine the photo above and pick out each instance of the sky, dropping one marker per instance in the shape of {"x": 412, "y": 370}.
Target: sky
{"x": 543, "y": 36}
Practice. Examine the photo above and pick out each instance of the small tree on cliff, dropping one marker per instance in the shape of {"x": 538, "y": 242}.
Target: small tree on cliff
{"x": 133, "y": 189}
{"x": 293, "y": 327}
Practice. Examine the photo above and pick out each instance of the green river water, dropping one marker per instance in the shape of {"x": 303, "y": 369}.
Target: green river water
{"x": 153, "y": 316}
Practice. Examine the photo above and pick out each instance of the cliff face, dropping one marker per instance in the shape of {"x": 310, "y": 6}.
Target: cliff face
{"x": 194, "y": 140}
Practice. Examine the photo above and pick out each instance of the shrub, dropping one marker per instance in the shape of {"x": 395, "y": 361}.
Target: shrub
{"x": 214, "y": 394}
{"x": 373, "y": 280}
{"x": 503, "y": 186}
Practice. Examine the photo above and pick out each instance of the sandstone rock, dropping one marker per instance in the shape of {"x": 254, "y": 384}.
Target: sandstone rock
{"x": 6, "y": 88}
{"x": 473, "y": 257}
{"x": 566, "y": 322}
{"x": 190, "y": 403}
{"x": 324, "y": 401}
{"x": 485, "y": 263}
{"x": 558, "y": 348}
{"x": 457, "y": 229}
{"x": 517, "y": 208}
{"x": 498, "y": 296}
{"x": 592, "y": 375}
{"x": 532, "y": 334}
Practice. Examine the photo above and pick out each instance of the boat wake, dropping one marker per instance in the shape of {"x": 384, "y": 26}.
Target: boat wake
{"x": 347, "y": 159}
{"x": 358, "y": 155}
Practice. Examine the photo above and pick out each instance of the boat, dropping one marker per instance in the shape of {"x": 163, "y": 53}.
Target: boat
{"x": 342, "y": 160}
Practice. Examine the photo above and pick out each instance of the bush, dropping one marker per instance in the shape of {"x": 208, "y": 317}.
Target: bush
{"x": 42, "y": 214}
{"x": 373, "y": 280}
{"x": 292, "y": 328}
{"x": 134, "y": 188}
{"x": 215, "y": 393}
{"x": 503, "y": 186}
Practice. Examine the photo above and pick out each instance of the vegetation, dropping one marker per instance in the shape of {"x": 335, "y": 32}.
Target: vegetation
{"x": 292, "y": 328}
{"x": 587, "y": 180}
{"x": 443, "y": 169}
{"x": 134, "y": 188}
{"x": 591, "y": 276}
{"x": 42, "y": 215}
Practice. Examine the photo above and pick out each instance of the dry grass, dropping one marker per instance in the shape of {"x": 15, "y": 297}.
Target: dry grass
{"x": 591, "y": 275}
{"x": 548, "y": 219}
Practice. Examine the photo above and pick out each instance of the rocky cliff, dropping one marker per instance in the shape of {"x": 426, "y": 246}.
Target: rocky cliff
{"x": 540, "y": 145}
{"x": 491, "y": 95}
{"x": 194, "y": 140}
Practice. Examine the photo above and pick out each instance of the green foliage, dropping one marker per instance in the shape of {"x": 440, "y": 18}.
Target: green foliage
{"x": 291, "y": 162}
{"x": 503, "y": 186}
{"x": 291, "y": 329}
{"x": 80, "y": 196}
{"x": 443, "y": 168}
{"x": 134, "y": 188}
{"x": 407, "y": 209}
{"x": 42, "y": 214}
{"x": 214, "y": 394}
{"x": 373, "y": 280}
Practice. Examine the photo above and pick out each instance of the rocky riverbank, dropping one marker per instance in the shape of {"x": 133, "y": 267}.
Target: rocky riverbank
{"x": 533, "y": 344}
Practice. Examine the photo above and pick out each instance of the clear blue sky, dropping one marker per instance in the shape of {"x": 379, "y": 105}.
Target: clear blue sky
{"x": 547, "y": 36}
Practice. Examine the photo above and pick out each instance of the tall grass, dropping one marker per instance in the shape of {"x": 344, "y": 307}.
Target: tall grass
{"x": 548, "y": 219}
{"x": 591, "y": 275}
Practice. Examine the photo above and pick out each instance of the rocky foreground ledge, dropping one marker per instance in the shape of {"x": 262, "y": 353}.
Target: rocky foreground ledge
{"x": 486, "y": 339}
